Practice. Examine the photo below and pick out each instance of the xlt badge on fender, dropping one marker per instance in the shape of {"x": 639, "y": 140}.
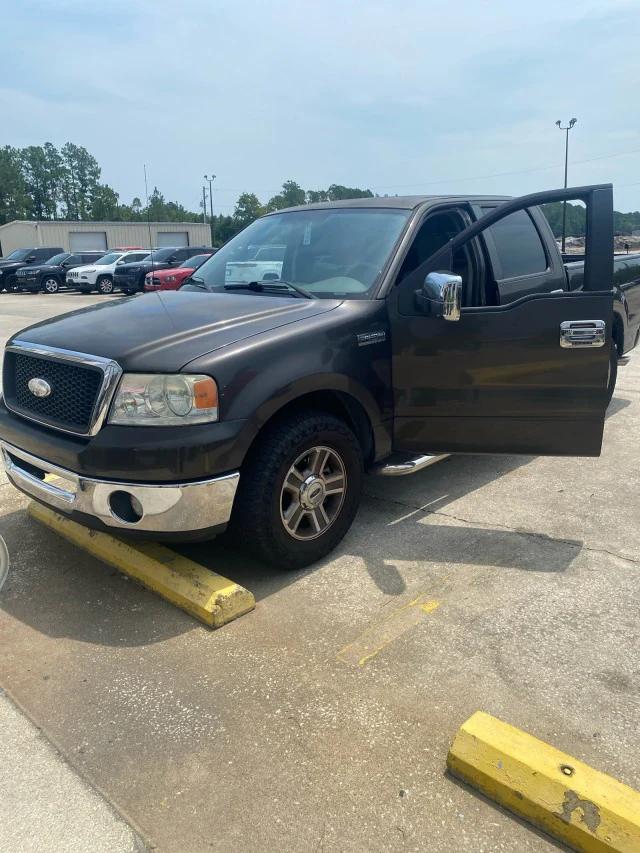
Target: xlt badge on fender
{"x": 367, "y": 338}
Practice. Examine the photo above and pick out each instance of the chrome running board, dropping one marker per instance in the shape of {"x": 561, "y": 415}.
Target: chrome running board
{"x": 408, "y": 465}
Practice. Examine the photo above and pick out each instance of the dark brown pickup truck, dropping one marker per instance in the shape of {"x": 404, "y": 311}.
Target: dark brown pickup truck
{"x": 395, "y": 330}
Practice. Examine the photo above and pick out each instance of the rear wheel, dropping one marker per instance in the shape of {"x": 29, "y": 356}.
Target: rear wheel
{"x": 105, "y": 285}
{"x": 50, "y": 285}
{"x": 299, "y": 490}
{"x": 613, "y": 370}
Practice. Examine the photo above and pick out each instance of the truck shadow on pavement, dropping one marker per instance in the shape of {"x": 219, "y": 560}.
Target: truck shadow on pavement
{"x": 60, "y": 591}
{"x": 400, "y": 525}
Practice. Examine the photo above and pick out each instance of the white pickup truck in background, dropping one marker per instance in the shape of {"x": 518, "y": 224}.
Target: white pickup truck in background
{"x": 266, "y": 265}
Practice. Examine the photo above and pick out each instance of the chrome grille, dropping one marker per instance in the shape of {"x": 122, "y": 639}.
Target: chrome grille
{"x": 81, "y": 386}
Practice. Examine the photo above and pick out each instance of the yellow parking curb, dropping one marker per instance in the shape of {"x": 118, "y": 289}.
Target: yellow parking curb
{"x": 211, "y": 598}
{"x": 574, "y": 803}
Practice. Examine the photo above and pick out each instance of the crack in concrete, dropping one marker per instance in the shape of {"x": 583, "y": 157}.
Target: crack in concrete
{"x": 519, "y": 530}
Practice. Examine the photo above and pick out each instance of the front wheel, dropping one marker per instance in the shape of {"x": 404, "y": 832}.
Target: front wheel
{"x": 50, "y": 285}
{"x": 299, "y": 490}
{"x": 105, "y": 285}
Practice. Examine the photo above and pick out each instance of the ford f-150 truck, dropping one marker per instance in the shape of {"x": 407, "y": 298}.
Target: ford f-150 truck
{"x": 399, "y": 330}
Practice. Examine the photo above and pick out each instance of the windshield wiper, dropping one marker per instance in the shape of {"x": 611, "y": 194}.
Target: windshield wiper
{"x": 280, "y": 285}
{"x": 194, "y": 282}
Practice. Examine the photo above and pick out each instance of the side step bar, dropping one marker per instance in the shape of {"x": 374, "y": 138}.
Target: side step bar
{"x": 408, "y": 465}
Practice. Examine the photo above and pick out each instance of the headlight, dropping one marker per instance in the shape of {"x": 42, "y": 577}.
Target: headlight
{"x": 164, "y": 400}
{"x": 170, "y": 278}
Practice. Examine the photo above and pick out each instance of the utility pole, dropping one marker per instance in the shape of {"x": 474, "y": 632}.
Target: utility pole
{"x": 211, "y": 179}
{"x": 566, "y": 166}
{"x": 204, "y": 205}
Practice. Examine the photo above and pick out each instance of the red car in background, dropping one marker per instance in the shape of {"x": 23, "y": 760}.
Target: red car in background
{"x": 171, "y": 279}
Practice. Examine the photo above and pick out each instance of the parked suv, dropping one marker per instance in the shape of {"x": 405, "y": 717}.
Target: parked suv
{"x": 130, "y": 277}
{"x": 20, "y": 258}
{"x": 99, "y": 275}
{"x": 50, "y": 277}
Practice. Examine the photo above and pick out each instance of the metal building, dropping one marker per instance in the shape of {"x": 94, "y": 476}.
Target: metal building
{"x": 87, "y": 236}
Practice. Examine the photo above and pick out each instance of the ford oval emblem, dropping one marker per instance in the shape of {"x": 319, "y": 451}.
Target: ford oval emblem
{"x": 39, "y": 387}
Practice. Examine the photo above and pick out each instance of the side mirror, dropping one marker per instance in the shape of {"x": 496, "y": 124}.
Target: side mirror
{"x": 119, "y": 262}
{"x": 442, "y": 295}
{"x": 30, "y": 259}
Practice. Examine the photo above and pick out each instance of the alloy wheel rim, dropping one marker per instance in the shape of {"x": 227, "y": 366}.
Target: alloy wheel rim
{"x": 106, "y": 286}
{"x": 51, "y": 285}
{"x": 313, "y": 493}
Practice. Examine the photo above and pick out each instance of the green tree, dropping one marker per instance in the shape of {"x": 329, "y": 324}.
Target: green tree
{"x": 104, "y": 204}
{"x": 80, "y": 177}
{"x": 337, "y": 192}
{"x": 291, "y": 195}
{"x": 42, "y": 172}
{"x": 247, "y": 209}
{"x": 14, "y": 199}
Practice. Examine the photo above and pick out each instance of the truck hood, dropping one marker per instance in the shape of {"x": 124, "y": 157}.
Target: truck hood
{"x": 161, "y": 332}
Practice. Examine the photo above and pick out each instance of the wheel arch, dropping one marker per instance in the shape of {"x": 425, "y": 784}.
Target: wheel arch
{"x": 617, "y": 332}
{"x": 373, "y": 436}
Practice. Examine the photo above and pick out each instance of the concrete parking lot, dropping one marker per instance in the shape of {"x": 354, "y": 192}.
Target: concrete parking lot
{"x": 321, "y": 721}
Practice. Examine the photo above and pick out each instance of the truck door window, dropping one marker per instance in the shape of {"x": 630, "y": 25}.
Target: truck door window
{"x": 518, "y": 246}
{"x": 434, "y": 233}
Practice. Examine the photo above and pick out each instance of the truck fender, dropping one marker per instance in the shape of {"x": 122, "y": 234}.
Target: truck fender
{"x": 318, "y": 391}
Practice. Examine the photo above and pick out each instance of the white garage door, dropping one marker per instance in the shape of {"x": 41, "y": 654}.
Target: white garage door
{"x": 173, "y": 238}
{"x": 87, "y": 241}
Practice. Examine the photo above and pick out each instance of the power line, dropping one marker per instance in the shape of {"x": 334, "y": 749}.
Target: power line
{"x": 467, "y": 178}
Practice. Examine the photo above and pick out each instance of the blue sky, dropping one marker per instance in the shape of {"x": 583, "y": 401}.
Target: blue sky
{"x": 396, "y": 95}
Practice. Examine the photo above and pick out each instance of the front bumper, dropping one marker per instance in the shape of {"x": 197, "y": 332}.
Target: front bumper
{"x": 28, "y": 282}
{"x": 127, "y": 281}
{"x": 80, "y": 283}
{"x": 166, "y": 509}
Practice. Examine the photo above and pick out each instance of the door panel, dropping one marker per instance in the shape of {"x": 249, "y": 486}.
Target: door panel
{"x": 498, "y": 380}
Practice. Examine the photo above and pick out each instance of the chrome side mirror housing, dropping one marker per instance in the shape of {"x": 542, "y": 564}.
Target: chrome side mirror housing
{"x": 443, "y": 293}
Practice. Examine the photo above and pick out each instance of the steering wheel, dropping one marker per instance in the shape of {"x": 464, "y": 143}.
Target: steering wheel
{"x": 363, "y": 271}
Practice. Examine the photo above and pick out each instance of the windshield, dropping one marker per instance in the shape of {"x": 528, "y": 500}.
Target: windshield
{"x": 18, "y": 255}
{"x": 162, "y": 254}
{"x": 331, "y": 253}
{"x": 194, "y": 262}
{"x": 111, "y": 258}
{"x": 58, "y": 259}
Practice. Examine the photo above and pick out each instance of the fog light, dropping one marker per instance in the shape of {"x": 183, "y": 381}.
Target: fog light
{"x": 125, "y": 507}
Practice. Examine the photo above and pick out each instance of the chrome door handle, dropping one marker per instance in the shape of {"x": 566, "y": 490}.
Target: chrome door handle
{"x": 583, "y": 333}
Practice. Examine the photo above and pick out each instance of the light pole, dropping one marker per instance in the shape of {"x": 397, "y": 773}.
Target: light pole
{"x": 566, "y": 165}
{"x": 211, "y": 179}
{"x": 204, "y": 205}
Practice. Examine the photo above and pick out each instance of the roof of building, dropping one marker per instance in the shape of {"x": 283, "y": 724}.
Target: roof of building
{"x": 86, "y": 222}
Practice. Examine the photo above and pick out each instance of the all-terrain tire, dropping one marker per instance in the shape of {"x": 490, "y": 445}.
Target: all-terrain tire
{"x": 613, "y": 371}
{"x": 259, "y": 521}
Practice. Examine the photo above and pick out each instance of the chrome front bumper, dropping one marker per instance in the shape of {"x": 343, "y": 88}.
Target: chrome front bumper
{"x": 169, "y": 508}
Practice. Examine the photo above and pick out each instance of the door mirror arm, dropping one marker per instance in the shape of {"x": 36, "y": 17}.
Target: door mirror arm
{"x": 441, "y": 295}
